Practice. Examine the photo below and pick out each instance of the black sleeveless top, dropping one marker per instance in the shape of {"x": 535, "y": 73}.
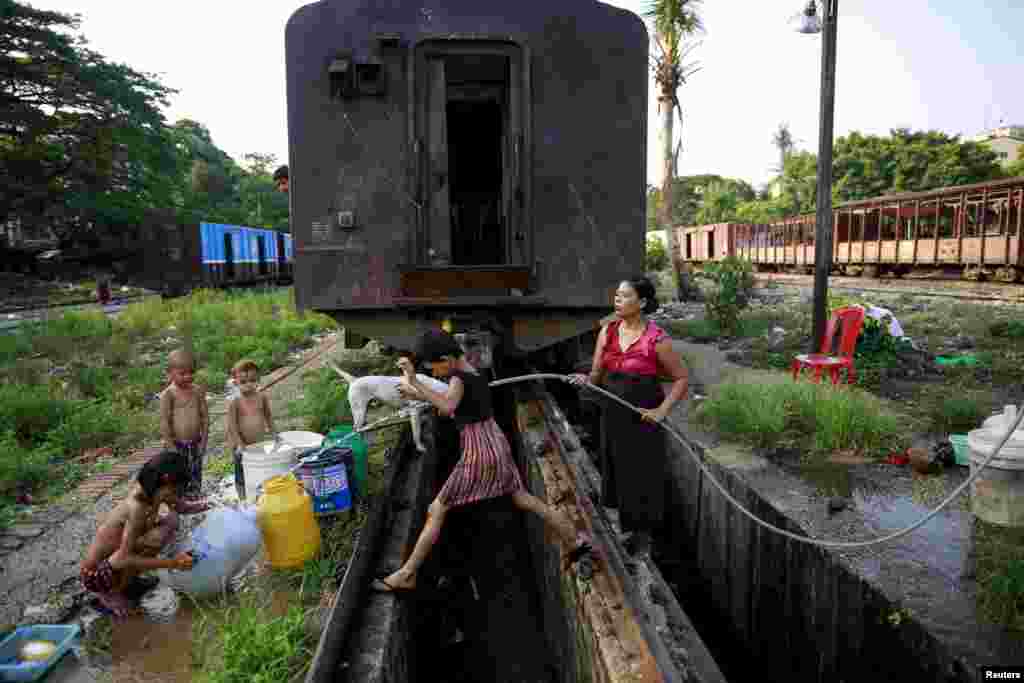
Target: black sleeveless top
{"x": 475, "y": 405}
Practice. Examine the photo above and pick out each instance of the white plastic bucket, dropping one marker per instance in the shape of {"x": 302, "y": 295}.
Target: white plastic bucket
{"x": 262, "y": 460}
{"x": 302, "y": 440}
{"x": 997, "y": 495}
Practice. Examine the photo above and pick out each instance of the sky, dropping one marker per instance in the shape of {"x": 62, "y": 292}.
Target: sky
{"x": 948, "y": 65}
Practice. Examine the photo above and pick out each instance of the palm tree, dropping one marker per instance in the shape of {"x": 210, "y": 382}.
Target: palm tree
{"x": 674, "y": 21}
{"x": 783, "y": 139}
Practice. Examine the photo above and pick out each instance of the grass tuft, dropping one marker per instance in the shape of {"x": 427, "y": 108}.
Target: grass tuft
{"x": 818, "y": 416}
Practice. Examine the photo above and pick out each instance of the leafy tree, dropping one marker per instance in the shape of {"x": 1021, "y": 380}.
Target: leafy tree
{"x": 760, "y": 211}
{"x": 263, "y": 204}
{"x": 1017, "y": 167}
{"x": 656, "y": 257}
{"x": 688, "y": 197}
{"x": 719, "y": 204}
{"x": 81, "y": 139}
{"x": 867, "y": 166}
{"x": 799, "y": 183}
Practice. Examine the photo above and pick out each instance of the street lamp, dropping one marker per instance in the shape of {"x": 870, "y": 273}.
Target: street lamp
{"x": 810, "y": 23}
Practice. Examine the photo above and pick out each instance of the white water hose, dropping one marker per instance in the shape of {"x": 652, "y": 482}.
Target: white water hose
{"x": 766, "y": 525}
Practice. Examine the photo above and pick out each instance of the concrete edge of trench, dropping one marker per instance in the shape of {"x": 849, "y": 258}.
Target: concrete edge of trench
{"x": 809, "y": 612}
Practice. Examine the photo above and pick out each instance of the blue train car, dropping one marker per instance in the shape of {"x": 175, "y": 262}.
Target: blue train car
{"x": 175, "y": 258}
{"x": 237, "y": 255}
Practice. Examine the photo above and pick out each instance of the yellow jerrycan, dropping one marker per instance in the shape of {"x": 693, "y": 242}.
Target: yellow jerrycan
{"x": 285, "y": 516}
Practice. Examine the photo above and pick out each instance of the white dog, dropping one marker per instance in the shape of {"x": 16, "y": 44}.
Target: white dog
{"x": 385, "y": 389}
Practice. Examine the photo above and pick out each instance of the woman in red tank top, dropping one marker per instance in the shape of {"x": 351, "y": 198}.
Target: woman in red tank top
{"x": 630, "y": 355}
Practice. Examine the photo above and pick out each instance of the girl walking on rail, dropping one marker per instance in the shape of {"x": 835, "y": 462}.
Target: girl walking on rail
{"x": 485, "y": 470}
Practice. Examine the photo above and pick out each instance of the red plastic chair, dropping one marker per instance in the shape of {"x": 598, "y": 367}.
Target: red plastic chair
{"x": 849, "y": 320}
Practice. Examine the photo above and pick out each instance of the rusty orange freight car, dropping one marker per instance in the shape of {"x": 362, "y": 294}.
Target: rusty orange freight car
{"x": 974, "y": 229}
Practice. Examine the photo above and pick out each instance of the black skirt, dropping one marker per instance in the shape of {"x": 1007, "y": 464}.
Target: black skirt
{"x": 633, "y": 453}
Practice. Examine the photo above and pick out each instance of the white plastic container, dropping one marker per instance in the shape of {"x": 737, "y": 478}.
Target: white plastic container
{"x": 302, "y": 440}
{"x": 221, "y": 547}
{"x": 264, "y": 460}
{"x": 997, "y": 495}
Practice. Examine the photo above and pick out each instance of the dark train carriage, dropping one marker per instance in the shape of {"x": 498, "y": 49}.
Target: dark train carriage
{"x": 167, "y": 256}
{"x": 470, "y": 161}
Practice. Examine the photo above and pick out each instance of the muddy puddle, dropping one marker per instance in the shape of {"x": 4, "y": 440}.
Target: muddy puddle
{"x": 156, "y": 645}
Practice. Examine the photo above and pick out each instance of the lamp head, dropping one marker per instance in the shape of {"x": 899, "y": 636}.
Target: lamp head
{"x": 810, "y": 23}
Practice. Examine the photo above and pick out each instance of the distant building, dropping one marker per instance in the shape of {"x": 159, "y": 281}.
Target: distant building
{"x": 1005, "y": 141}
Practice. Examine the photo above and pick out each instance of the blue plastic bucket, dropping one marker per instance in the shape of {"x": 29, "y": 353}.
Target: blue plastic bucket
{"x": 326, "y": 481}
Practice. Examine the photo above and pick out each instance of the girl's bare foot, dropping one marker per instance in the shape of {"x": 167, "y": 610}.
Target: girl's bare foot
{"x": 397, "y": 582}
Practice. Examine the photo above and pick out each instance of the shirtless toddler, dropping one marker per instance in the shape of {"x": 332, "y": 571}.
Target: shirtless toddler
{"x": 249, "y": 419}
{"x": 184, "y": 418}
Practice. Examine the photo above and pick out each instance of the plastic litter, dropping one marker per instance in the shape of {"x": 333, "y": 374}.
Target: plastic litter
{"x": 221, "y": 546}
{"x": 965, "y": 359}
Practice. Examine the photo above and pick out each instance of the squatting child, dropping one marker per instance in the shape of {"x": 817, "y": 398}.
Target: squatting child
{"x": 249, "y": 418}
{"x": 131, "y": 536}
{"x": 185, "y": 419}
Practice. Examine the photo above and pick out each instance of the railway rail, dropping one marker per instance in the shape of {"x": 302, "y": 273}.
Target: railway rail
{"x": 9, "y": 322}
{"x": 523, "y": 618}
{"x": 949, "y": 289}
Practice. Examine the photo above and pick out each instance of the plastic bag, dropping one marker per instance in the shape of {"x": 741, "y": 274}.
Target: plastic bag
{"x": 221, "y": 546}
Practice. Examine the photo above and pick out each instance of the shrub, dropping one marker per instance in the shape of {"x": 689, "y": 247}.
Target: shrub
{"x": 821, "y": 417}
{"x": 324, "y": 403}
{"x": 1007, "y": 328}
{"x": 30, "y": 412}
{"x": 20, "y": 467}
{"x": 959, "y": 414}
{"x": 734, "y": 278}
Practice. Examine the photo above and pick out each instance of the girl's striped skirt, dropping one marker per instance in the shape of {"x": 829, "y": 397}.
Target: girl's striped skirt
{"x": 485, "y": 470}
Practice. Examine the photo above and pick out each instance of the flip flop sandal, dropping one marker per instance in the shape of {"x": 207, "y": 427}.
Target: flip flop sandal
{"x": 380, "y": 585}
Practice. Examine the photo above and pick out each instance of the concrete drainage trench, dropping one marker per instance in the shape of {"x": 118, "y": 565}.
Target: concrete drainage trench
{"x": 758, "y": 606}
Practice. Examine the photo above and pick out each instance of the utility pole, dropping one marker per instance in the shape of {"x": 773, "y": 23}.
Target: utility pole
{"x": 823, "y": 223}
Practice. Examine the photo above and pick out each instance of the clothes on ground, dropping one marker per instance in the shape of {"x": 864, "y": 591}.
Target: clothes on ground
{"x": 99, "y": 579}
{"x": 633, "y": 452}
{"x": 486, "y": 468}
{"x": 880, "y": 314}
{"x": 192, "y": 452}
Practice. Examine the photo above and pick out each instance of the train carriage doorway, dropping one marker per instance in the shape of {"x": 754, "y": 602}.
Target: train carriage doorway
{"x": 470, "y": 135}
{"x": 229, "y": 257}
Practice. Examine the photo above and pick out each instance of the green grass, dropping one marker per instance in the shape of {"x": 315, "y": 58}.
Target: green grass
{"x": 247, "y": 637}
{"x": 818, "y": 417}
{"x": 999, "y": 553}
{"x": 242, "y": 641}
{"x": 705, "y": 330}
{"x": 83, "y": 380}
{"x": 324, "y": 403}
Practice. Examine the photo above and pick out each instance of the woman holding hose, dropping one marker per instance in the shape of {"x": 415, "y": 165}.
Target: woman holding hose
{"x": 631, "y": 354}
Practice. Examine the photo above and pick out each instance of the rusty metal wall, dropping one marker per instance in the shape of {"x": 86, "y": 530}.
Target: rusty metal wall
{"x": 587, "y": 125}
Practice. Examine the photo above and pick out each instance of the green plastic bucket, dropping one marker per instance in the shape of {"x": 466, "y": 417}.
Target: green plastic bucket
{"x": 359, "y": 450}
{"x": 961, "y": 449}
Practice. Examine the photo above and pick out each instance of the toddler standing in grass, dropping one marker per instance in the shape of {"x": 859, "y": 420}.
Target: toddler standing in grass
{"x": 249, "y": 418}
{"x": 185, "y": 419}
